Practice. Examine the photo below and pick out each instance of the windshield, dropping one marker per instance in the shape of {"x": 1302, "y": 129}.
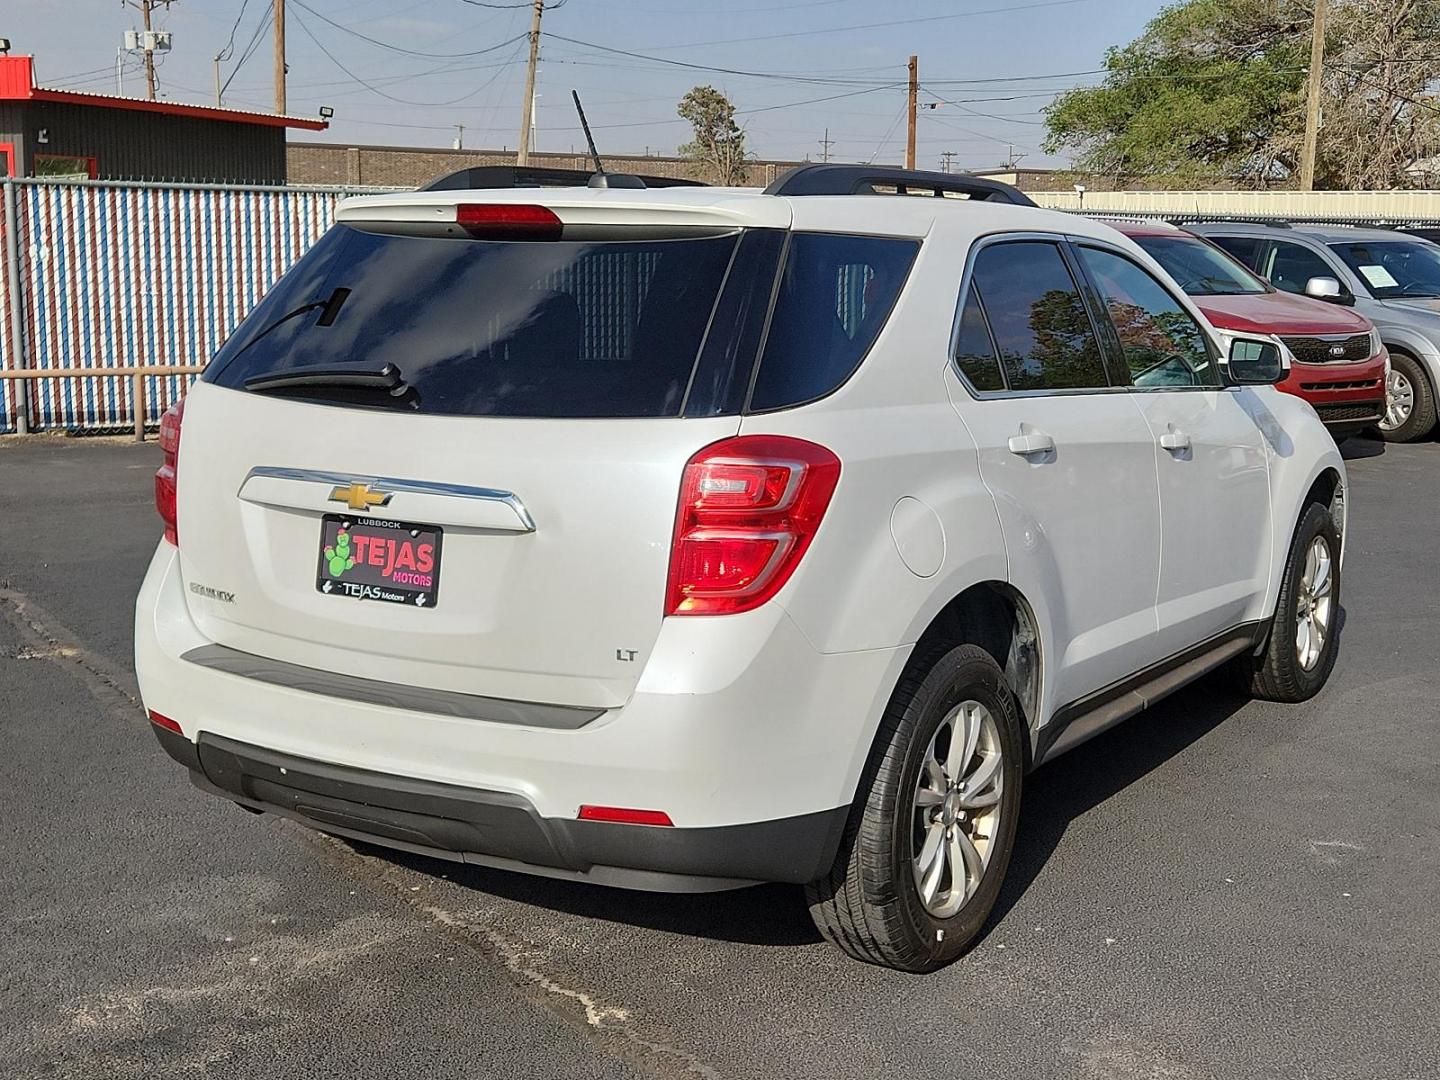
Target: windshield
{"x": 1201, "y": 269}
{"x": 1394, "y": 268}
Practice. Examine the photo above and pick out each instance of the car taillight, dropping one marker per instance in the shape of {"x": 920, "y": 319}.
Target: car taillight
{"x": 501, "y": 221}
{"x": 165, "y": 476}
{"x": 749, "y": 507}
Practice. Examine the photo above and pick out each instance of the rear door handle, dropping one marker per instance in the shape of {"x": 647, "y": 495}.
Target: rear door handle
{"x": 1031, "y": 442}
{"x": 1175, "y": 440}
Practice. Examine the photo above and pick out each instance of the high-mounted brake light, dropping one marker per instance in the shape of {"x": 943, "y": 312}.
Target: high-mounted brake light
{"x": 622, "y": 816}
{"x": 166, "y": 475}
{"x": 749, "y": 507}
{"x": 502, "y": 221}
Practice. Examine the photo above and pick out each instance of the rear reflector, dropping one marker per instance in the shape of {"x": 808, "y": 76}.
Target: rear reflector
{"x": 166, "y": 475}
{"x": 165, "y": 722}
{"x": 622, "y": 816}
{"x": 498, "y": 221}
{"x": 749, "y": 507}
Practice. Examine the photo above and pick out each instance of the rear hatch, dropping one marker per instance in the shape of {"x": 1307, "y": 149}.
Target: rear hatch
{"x": 447, "y": 453}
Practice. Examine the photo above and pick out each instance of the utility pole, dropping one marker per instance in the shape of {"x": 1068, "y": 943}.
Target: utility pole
{"x": 217, "y": 80}
{"x": 947, "y": 160}
{"x": 527, "y": 107}
{"x": 914, "y": 90}
{"x": 459, "y": 136}
{"x": 1312, "y": 99}
{"x": 280, "y": 56}
{"x": 146, "y": 43}
{"x": 145, "y": 6}
{"x": 825, "y": 145}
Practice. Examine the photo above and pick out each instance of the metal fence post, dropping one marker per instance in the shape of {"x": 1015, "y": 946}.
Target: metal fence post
{"x": 16, "y": 351}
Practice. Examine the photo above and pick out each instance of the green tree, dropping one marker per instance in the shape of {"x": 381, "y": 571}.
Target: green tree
{"x": 717, "y": 150}
{"x": 1205, "y": 92}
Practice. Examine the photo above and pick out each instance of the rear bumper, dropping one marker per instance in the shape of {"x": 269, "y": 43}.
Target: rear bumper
{"x": 746, "y": 736}
{"x": 494, "y": 828}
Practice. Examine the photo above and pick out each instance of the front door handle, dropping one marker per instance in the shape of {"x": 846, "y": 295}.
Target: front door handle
{"x": 1031, "y": 442}
{"x": 1175, "y": 440}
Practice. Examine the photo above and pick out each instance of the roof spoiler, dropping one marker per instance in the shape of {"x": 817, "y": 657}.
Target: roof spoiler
{"x": 525, "y": 176}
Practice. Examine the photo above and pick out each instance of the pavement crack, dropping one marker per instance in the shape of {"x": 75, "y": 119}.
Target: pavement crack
{"x": 44, "y": 637}
{"x": 579, "y": 1007}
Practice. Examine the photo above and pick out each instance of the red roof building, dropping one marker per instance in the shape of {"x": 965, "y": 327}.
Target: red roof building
{"x": 48, "y": 132}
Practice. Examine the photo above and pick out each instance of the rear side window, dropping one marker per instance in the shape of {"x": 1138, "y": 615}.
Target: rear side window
{"x": 835, "y": 294}
{"x": 1291, "y": 266}
{"x": 491, "y": 328}
{"x": 1038, "y": 317}
{"x": 1244, "y": 248}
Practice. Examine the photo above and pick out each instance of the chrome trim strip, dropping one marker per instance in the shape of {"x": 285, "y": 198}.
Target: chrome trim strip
{"x": 392, "y": 484}
{"x": 391, "y": 695}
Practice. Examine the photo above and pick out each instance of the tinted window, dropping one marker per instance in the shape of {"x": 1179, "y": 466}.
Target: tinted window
{"x": 1038, "y": 317}
{"x": 1162, "y": 342}
{"x": 1199, "y": 268}
{"x": 835, "y": 295}
{"x": 1244, "y": 248}
{"x": 1393, "y": 268}
{"x": 495, "y": 328}
{"x": 974, "y": 351}
{"x": 1291, "y": 266}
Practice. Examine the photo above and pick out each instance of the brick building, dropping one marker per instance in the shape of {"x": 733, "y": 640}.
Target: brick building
{"x": 411, "y": 166}
{"x": 46, "y": 132}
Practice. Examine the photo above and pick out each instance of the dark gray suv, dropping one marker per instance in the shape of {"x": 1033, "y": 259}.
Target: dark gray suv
{"x": 1390, "y": 277}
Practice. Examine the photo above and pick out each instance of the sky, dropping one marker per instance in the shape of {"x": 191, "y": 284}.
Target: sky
{"x": 793, "y": 69}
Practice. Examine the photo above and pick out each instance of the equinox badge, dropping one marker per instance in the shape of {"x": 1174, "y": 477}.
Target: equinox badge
{"x": 359, "y": 496}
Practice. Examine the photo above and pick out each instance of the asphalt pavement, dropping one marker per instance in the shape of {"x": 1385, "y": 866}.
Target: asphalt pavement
{"x": 1218, "y": 888}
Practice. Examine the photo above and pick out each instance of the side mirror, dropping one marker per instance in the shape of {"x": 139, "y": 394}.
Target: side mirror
{"x": 1254, "y": 361}
{"x": 1328, "y": 289}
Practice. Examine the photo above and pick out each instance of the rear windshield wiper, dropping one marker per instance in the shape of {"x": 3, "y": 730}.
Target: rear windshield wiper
{"x": 329, "y": 312}
{"x": 387, "y": 380}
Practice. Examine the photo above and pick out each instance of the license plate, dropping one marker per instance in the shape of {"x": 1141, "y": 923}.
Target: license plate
{"x": 395, "y": 562}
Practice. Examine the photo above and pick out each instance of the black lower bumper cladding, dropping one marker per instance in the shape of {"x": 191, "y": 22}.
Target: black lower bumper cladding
{"x": 501, "y": 829}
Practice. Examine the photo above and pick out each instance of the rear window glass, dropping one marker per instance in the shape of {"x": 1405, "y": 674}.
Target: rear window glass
{"x": 835, "y": 295}
{"x": 488, "y": 328}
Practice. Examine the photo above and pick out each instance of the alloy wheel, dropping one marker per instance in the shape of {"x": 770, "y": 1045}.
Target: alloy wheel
{"x": 1314, "y": 604}
{"x": 1399, "y": 401}
{"x": 957, "y": 808}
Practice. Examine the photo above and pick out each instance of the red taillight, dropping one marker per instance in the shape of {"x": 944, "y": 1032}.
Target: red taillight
{"x": 498, "y": 221}
{"x": 622, "y": 816}
{"x": 165, "y": 722}
{"x": 165, "y": 475}
{"x": 749, "y": 507}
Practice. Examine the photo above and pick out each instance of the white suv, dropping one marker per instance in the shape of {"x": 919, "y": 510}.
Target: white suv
{"x": 682, "y": 539}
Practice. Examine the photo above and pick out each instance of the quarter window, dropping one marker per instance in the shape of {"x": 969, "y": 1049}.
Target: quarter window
{"x": 1038, "y": 318}
{"x": 1162, "y": 343}
{"x": 974, "y": 351}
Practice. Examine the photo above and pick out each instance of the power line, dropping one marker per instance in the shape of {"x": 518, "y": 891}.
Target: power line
{"x": 396, "y": 48}
{"x": 872, "y": 26}
{"x": 252, "y": 46}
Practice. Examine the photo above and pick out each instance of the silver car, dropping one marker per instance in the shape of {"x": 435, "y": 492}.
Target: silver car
{"x": 1391, "y": 278}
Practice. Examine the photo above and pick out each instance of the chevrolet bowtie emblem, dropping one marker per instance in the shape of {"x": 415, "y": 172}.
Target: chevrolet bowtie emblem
{"x": 359, "y": 496}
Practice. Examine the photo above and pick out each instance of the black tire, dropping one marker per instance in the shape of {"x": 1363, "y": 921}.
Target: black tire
{"x": 1278, "y": 674}
{"x": 1421, "y": 421}
{"x": 870, "y": 904}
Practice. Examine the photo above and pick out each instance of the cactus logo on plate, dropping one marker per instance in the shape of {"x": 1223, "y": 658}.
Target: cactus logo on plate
{"x": 395, "y": 562}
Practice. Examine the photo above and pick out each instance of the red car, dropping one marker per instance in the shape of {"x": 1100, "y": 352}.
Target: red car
{"x": 1338, "y": 363}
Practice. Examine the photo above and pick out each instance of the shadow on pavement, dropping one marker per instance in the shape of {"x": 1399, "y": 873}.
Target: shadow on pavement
{"x": 776, "y": 915}
{"x": 1362, "y": 446}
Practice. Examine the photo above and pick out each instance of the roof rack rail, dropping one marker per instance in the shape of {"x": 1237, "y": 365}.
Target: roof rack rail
{"x": 873, "y": 179}
{"x": 1231, "y": 219}
{"x": 526, "y": 176}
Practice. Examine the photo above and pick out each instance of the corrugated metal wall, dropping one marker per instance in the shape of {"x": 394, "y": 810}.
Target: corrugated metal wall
{"x": 114, "y": 275}
{"x": 1396, "y": 206}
